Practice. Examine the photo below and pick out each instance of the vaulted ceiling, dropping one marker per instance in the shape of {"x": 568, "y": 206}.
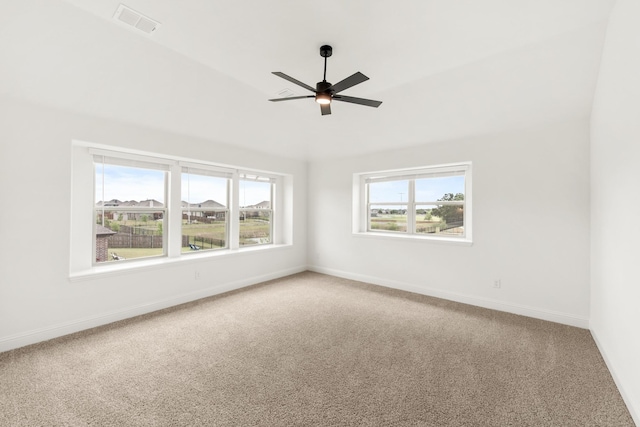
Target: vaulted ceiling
{"x": 443, "y": 69}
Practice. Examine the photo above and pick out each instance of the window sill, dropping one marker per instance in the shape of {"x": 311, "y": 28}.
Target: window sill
{"x": 415, "y": 238}
{"x": 117, "y": 269}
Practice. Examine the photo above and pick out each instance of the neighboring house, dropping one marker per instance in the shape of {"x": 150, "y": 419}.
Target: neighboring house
{"x": 262, "y": 205}
{"x": 212, "y": 204}
{"x": 109, "y": 203}
{"x": 250, "y": 211}
{"x": 102, "y": 243}
{"x": 125, "y": 216}
{"x": 149, "y": 203}
{"x": 197, "y": 210}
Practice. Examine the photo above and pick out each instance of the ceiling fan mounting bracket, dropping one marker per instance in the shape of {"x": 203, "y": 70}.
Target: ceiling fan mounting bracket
{"x": 326, "y": 51}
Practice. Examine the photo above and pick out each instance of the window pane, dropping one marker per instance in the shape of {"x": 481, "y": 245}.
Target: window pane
{"x": 388, "y": 218}
{"x": 440, "y": 220}
{"x": 204, "y": 215}
{"x": 255, "y": 227}
{"x": 256, "y": 216}
{"x": 123, "y": 184}
{"x": 390, "y": 191}
{"x": 203, "y": 230}
{"x": 124, "y": 235}
{"x": 437, "y": 189}
{"x": 204, "y": 191}
{"x": 255, "y": 194}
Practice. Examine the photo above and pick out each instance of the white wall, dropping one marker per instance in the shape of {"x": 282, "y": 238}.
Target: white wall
{"x": 530, "y": 224}
{"x": 37, "y": 300}
{"x": 615, "y": 205}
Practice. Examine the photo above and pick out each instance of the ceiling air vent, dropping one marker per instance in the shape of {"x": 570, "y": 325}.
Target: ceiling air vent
{"x": 135, "y": 19}
{"x": 286, "y": 93}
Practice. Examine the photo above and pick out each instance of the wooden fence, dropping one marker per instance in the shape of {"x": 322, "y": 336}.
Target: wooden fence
{"x": 125, "y": 229}
{"x": 126, "y": 240}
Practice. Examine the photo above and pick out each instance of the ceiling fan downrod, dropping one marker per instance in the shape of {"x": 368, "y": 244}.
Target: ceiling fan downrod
{"x": 325, "y": 51}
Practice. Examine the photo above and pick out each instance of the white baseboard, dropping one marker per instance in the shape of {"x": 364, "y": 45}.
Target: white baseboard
{"x": 634, "y": 411}
{"x": 55, "y": 331}
{"x": 552, "y": 316}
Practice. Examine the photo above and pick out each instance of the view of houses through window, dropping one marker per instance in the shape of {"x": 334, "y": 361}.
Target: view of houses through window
{"x": 131, "y": 209}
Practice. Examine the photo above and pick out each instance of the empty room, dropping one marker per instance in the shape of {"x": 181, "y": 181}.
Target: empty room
{"x": 341, "y": 213}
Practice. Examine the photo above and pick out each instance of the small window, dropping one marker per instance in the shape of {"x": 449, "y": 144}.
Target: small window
{"x": 426, "y": 202}
{"x": 205, "y": 210}
{"x": 256, "y": 214}
{"x": 130, "y": 211}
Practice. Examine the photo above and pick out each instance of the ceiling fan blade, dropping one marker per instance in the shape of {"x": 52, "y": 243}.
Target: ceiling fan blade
{"x": 360, "y": 101}
{"x": 350, "y": 81}
{"x": 289, "y": 98}
{"x": 325, "y": 109}
{"x": 292, "y": 80}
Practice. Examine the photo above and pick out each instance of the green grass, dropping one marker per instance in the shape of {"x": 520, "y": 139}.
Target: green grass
{"x": 389, "y": 222}
{"x": 131, "y": 253}
{"x": 249, "y": 229}
{"x": 216, "y": 230}
{"x": 399, "y": 222}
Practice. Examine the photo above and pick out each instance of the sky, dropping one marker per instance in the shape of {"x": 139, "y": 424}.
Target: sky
{"x": 128, "y": 183}
{"x": 427, "y": 189}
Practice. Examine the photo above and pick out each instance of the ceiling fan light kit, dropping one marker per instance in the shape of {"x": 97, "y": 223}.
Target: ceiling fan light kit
{"x": 323, "y": 98}
{"x": 325, "y": 92}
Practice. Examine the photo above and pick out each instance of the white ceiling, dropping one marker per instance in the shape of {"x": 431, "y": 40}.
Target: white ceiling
{"x": 443, "y": 69}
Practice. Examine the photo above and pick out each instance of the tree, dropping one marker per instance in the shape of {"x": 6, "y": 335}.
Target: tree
{"x": 449, "y": 213}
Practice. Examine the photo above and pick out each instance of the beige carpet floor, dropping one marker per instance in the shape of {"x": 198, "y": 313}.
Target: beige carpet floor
{"x": 314, "y": 350}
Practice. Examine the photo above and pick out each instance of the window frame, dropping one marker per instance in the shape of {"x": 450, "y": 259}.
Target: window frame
{"x": 82, "y": 247}
{"x": 361, "y": 224}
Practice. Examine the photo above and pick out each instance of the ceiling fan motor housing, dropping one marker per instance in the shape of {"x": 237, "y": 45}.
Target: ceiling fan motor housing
{"x": 323, "y": 87}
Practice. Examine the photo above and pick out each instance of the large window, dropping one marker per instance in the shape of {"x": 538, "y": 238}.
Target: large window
{"x": 425, "y": 202}
{"x": 148, "y": 206}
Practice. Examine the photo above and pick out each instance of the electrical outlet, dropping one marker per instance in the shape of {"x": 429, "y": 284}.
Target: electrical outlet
{"x": 197, "y": 275}
{"x": 497, "y": 283}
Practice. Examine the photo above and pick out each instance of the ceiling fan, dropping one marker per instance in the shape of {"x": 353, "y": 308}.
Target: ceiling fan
{"x": 325, "y": 92}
